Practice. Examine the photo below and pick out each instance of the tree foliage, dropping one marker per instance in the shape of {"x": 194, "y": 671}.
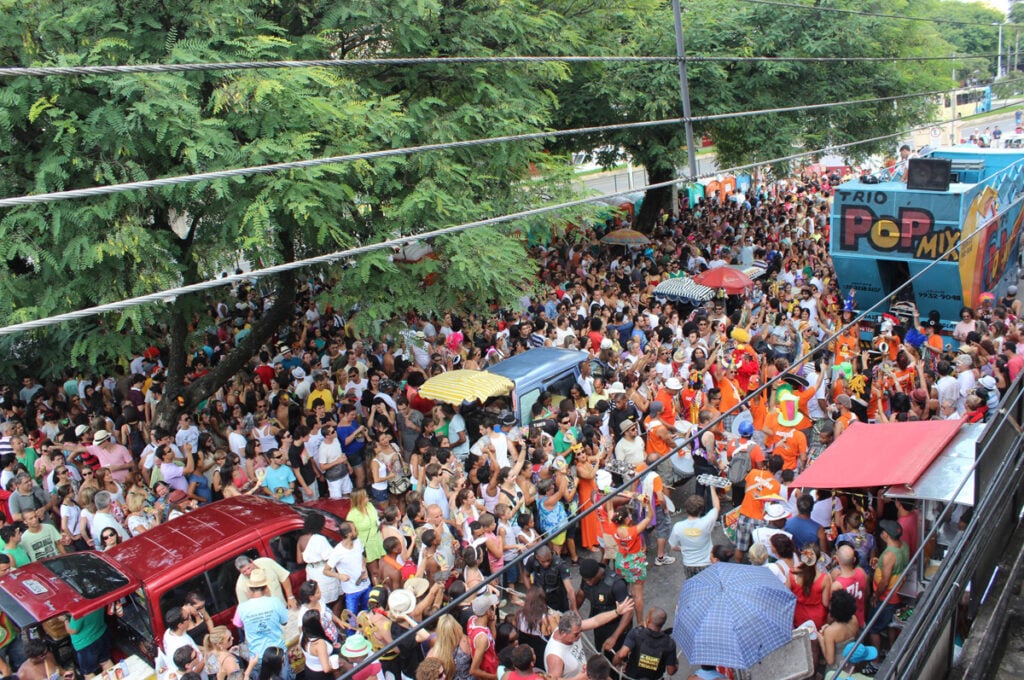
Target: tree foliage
{"x": 74, "y": 132}
{"x": 632, "y": 92}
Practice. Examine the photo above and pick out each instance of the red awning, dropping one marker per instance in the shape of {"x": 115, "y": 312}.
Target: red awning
{"x": 880, "y": 454}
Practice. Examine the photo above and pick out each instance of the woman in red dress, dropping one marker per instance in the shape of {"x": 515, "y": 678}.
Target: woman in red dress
{"x": 813, "y": 589}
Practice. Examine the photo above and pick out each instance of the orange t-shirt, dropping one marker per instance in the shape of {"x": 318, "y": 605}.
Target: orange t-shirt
{"x": 847, "y": 345}
{"x": 665, "y": 398}
{"x": 730, "y": 393}
{"x": 756, "y": 453}
{"x": 759, "y": 483}
{"x": 655, "y": 444}
{"x": 758, "y": 410}
{"x": 791, "y": 448}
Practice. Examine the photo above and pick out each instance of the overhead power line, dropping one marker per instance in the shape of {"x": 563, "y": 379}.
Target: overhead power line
{"x": 121, "y": 69}
{"x": 92, "y": 192}
{"x": 902, "y": 17}
{"x": 169, "y": 295}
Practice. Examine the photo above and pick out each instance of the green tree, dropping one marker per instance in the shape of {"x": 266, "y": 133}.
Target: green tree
{"x": 64, "y": 133}
{"x": 969, "y": 38}
{"x": 649, "y": 91}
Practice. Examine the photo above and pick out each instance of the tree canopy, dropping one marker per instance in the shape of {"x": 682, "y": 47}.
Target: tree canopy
{"x": 86, "y": 130}
{"x": 632, "y": 91}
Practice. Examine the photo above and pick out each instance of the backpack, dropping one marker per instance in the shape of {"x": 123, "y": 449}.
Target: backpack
{"x": 740, "y": 465}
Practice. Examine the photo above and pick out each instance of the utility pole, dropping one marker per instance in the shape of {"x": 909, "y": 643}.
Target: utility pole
{"x": 999, "y": 57}
{"x": 684, "y": 90}
{"x": 952, "y": 102}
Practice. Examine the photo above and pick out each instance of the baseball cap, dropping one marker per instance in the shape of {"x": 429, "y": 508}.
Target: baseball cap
{"x": 483, "y": 603}
{"x": 890, "y": 527}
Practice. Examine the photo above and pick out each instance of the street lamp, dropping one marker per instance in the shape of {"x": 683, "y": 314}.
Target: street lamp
{"x": 999, "y": 57}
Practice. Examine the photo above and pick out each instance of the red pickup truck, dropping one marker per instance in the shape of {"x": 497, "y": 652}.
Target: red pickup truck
{"x": 153, "y": 572}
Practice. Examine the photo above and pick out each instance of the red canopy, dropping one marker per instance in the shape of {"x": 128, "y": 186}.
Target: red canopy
{"x": 880, "y": 454}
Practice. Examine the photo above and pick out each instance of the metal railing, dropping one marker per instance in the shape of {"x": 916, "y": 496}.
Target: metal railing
{"x": 924, "y": 649}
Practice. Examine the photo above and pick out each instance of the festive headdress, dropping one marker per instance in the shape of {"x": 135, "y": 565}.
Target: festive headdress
{"x": 789, "y": 408}
{"x": 850, "y": 302}
{"x": 857, "y": 384}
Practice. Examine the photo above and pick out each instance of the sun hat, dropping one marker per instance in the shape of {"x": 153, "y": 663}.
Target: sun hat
{"x": 626, "y": 426}
{"x": 483, "y": 603}
{"x": 417, "y": 585}
{"x": 356, "y": 646}
{"x": 176, "y": 496}
{"x": 616, "y": 388}
{"x": 299, "y": 373}
{"x": 257, "y": 578}
{"x": 776, "y": 511}
{"x": 100, "y": 436}
{"x": 673, "y": 384}
{"x": 401, "y": 603}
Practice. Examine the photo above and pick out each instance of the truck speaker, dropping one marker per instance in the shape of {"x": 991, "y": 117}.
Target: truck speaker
{"x": 929, "y": 174}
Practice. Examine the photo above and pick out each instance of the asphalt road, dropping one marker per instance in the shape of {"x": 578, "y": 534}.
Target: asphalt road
{"x": 661, "y": 589}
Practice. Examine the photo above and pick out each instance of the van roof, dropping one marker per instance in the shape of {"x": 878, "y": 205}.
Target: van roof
{"x": 537, "y": 363}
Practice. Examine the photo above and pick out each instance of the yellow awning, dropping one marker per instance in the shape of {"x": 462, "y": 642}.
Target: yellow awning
{"x": 454, "y": 387}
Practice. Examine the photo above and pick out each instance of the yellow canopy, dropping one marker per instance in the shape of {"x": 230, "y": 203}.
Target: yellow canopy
{"x": 454, "y": 387}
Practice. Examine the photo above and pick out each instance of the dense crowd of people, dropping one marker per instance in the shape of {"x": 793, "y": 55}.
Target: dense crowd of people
{"x": 444, "y": 495}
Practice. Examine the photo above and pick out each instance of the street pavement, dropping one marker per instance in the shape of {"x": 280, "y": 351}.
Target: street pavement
{"x": 661, "y": 589}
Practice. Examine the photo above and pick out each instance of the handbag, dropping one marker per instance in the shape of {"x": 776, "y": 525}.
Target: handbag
{"x": 335, "y": 473}
{"x": 398, "y": 487}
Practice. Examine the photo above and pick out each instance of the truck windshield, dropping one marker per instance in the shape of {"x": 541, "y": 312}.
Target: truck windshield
{"x": 87, "y": 574}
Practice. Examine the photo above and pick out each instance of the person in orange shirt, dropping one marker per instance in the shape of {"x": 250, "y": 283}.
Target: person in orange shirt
{"x": 659, "y": 433}
{"x": 667, "y": 396}
{"x": 847, "y": 344}
{"x": 743, "y": 443}
{"x": 782, "y": 427}
{"x": 845, "y": 417}
{"x": 760, "y": 482}
{"x": 728, "y": 384}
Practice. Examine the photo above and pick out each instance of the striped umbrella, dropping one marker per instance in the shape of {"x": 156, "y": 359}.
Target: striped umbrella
{"x": 683, "y": 289}
{"x": 754, "y": 272}
{"x": 454, "y": 387}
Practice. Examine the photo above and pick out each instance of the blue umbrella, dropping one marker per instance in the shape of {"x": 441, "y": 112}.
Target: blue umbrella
{"x": 683, "y": 289}
{"x": 733, "y": 615}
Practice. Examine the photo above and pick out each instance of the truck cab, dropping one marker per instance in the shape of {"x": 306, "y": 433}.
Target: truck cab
{"x": 152, "y": 572}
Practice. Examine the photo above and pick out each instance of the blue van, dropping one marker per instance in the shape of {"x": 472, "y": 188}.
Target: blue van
{"x": 542, "y": 369}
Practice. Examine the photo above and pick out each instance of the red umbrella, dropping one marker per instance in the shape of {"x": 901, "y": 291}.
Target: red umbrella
{"x": 732, "y": 281}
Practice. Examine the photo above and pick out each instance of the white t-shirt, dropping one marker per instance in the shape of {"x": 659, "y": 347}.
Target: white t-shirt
{"x": 693, "y": 538}
{"x": 349, "y": 561}
{"x": 630, "y": 451}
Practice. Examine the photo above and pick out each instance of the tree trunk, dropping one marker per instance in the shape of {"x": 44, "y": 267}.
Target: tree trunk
{"x": 178, "y": 397}
{"x": 655, "y": 200}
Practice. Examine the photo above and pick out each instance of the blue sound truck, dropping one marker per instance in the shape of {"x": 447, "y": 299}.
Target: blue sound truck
{"x": 882, "y": 234}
